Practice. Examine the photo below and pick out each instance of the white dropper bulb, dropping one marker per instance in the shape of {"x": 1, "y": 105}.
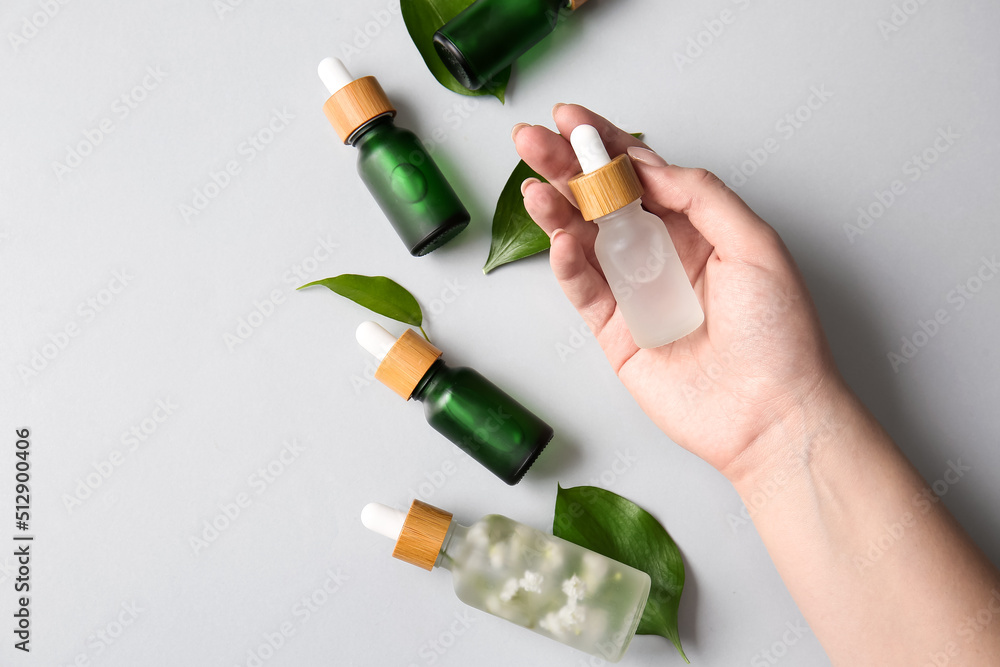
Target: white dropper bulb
{"x": 375, "y": 339}
{"x": 334, "y": 74}
{"x": 384, "y": 520}
{"x": 590, "y": 150}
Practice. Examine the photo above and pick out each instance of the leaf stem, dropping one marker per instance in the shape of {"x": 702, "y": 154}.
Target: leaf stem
{"x": 426, "y": 337}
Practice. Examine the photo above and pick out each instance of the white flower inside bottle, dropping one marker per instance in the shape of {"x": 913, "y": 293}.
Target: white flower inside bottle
{"x": 538, "y": 581}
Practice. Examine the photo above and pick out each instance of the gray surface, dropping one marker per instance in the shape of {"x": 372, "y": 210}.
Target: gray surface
{"x": 162, "y": 336}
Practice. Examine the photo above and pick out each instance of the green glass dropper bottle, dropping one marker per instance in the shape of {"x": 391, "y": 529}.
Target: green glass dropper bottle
{"x": 489, "y": 35}
{"x": 459, "y": 403}
{"x": 407, "y": 185}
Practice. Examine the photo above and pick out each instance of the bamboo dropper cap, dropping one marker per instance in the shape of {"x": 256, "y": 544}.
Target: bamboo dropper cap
{"x": 419, "y": 534}
{"x": 575, "y": 4}
{"x": 352, "y": 102}
{"x": 405, "y": 361}
{"x": 423, "y": 534}
{"x": 605, "y": 185}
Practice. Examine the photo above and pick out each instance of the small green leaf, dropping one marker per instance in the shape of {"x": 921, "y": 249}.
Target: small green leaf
{"x": 618, "y": 528}
{"x": 515, "y": 234}
{"x": 423, "y": 18}
{"x": 378, "y": 294}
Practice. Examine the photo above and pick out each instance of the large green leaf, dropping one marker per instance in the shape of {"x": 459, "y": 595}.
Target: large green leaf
{"x": 423, "y": 18}
{"x": 618, "y": 528}
{"x": 515, "y": 234}
{"x": 378, "y": 294}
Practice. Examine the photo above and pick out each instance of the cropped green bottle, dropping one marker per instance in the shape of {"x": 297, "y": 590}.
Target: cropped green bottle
{"x": 489, "y": 35}
{"x": 459, "y": 403}
{"x": 400, "y": 174}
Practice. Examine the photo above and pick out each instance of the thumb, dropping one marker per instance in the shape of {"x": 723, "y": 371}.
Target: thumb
{"x": 718, "y": 213}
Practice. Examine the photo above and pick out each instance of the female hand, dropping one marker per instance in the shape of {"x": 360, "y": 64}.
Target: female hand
{"x": 760, "y": 353}
{"x": 755, "y": 392}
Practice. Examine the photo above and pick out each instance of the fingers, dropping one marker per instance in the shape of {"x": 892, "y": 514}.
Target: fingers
{"x": 551, "y": 155}
{"x": 585, "y": 288}
{"x": 572, "y": 253}
{"x": 726, "y": 222}
{"x": 551, "y": 211}
{"x": 714, "y": 210}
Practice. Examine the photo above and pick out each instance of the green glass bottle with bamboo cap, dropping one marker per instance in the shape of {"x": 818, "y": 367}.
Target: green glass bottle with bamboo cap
{"x": 459, "y": 403}
{"x": 400, "y": 174}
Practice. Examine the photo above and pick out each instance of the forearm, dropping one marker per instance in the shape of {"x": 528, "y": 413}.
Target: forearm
{"x": 879, "y": 568}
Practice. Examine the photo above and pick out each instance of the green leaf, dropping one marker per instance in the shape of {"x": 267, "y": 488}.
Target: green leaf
{"x": 423, "y": 18}
{"x": 378, "y": 294}
{"x": 515, "y": 234}
{"x": 618, "y": 528}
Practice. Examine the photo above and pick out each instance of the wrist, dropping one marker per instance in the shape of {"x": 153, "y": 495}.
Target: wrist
{"x": 795, "y": 438}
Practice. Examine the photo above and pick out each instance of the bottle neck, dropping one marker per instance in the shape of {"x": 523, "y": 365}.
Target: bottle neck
{"x": 622, "y": 214}
{"x": 453, "y": 546}
{"x": 372, "y": 128}
{"x": 430, "y": 382}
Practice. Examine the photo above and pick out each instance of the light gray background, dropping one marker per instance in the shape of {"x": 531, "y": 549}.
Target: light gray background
{"x": 301, "y": 377}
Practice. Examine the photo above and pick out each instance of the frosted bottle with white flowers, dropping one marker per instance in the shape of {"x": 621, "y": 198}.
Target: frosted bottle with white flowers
{"x": 633, "y": 247}
{"x": 538, "y": 581}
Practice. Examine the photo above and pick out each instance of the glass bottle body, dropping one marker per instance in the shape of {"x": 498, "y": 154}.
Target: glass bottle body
{"x": 408, "y": 186}
{"x": 646, "y": 276}
{"x": 482, "y": 420}
{"x": 489, "y": 35}
{"x": 546, "y": 584}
